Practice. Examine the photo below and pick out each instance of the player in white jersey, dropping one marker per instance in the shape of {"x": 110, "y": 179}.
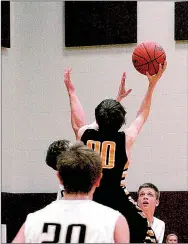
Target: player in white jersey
{"x": 76, "y": 218}
{"x": 148, "y": 200}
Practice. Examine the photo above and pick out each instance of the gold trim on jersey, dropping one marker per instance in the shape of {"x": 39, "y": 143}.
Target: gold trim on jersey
{"x": 123, "y": 177}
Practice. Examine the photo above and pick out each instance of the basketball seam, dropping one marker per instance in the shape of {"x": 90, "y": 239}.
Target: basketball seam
{"x": 155, "y": 59}
{"x": 140, "y": 57}
{"x": 149, "y": 56}
{"x": 159, "y": 56}
{"x": 145, "y": 63}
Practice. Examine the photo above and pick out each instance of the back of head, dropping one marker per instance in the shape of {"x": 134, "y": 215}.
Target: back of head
{"x": 79, "y": 168}
{"x": 152, "y": 186}
{"x": 54, "y": 150}
{"x": 110, "y": 115}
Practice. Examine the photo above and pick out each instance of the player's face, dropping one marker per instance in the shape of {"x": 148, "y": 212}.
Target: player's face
{"x": 147, "y": 199}
{"x": 172, "y": 239}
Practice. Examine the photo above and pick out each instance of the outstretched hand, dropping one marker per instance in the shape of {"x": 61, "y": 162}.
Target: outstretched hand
{"x": 122, "y": 93}
{"x": 69, "y": 85}
{"x": 154, "y": 78}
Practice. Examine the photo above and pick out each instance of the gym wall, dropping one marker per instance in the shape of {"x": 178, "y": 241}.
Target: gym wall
{"x": 35, "y": 104}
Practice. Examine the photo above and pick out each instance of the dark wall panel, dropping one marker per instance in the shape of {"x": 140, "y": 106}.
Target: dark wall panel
{"x": 181, "y": 21}
{"x": 5, "y": 24}
{"x": 100, "y": 23}
{"x": 173, "y": 209}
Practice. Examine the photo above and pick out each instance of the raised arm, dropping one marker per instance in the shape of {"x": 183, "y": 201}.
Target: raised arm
{"x": 122, "y": 93}
{"x": 143, "y": 112}
{"x": 77, "y": 113}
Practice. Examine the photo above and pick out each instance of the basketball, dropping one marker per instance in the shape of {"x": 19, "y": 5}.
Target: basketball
{"x": 147, "y": 56}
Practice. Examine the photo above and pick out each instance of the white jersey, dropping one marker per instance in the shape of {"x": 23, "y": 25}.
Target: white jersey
{"x": 71, "y": 221}
{"x": 158, "y": 227}
{"x": 60, "y": 192}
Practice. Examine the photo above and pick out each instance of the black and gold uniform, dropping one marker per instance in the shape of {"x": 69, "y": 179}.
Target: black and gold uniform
{"x": 112, "y": 191}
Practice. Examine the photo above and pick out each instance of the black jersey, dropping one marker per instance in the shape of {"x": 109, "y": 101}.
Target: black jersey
{"x": 111, "y": 191}
{"x": 111, "y": 147}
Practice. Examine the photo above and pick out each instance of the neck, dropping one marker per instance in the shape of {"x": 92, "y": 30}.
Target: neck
{"x": 78, "y": 196}
{"x": 149, "y": 216}
{"x": 150, "y": 219}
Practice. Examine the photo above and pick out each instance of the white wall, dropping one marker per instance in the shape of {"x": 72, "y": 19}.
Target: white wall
{"x": 35, "y": 106}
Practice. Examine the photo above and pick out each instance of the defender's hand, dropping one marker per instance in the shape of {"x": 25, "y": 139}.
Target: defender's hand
{"x": 122, "y": 93}
{"x": 69, "y": 85}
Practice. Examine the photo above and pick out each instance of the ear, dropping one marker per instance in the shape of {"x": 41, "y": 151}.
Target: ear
{"x": 59, "y": 177}
{"x": 98, "y": 180}
{"x": 157, "y": 203}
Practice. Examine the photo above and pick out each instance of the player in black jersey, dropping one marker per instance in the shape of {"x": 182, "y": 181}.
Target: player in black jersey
{"x": 115, "y": 149}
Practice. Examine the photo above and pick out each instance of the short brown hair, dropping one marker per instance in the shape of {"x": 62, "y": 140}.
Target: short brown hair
{"x": 152, "y": 186}
{"x": 54, "y": 150}
{"x": 79, "y": 167}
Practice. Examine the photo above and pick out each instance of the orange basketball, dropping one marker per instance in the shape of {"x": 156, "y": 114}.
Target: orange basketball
{"x": 147, "y": 56}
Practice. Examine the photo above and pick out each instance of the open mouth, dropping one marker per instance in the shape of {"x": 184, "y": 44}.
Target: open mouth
{"x": 145, "y": 203}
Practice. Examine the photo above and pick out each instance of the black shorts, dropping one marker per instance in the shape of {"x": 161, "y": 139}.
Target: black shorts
{"x": 123, "y": 202}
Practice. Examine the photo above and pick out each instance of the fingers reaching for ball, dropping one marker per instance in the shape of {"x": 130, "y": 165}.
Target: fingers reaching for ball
{"x": 153, "y": 79}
